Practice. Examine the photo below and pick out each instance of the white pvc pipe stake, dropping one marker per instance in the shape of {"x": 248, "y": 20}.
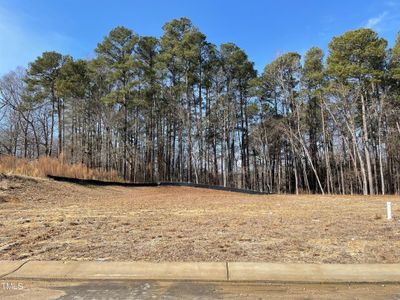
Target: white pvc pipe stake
{"x": 389, "y": 210}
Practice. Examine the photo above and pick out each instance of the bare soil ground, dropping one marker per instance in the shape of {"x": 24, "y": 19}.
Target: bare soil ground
{"x": 46, "y": 220}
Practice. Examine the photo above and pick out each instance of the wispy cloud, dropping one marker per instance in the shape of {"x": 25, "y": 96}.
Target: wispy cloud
{"x": 374, "y": 22}
{"x": 21, "y": 42}
{"x": 392, "y": 3}
{"x": 388, "y": 22}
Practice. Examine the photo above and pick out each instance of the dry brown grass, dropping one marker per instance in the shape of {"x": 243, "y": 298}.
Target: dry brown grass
{"x": 52, "y": 166}
{"x": 48, "y": 220}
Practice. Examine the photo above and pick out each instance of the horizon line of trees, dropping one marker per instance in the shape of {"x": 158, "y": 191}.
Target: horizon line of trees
{"x": 178, "y": 108}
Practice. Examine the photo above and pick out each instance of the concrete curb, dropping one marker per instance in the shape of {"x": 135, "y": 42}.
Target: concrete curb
{"x": 202, "y": 271}
{"x": 314, "y": 273}
{"x": 9, "y": 266}
{"x": 120, "y": 270}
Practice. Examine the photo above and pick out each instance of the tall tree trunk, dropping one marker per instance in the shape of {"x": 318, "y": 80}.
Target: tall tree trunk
{"x": 366, "y": 145}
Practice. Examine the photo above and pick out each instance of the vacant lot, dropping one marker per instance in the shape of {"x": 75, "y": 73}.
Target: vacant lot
{"x": 46, "y": 220}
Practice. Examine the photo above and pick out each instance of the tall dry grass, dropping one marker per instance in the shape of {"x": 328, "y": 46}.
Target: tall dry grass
{"x": 52, "y": 166}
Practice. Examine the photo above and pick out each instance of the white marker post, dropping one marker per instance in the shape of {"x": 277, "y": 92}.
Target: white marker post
{"x": 389, "y": 210}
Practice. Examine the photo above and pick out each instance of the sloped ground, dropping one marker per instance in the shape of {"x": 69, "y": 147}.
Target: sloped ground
{"x": 46, "y": 220}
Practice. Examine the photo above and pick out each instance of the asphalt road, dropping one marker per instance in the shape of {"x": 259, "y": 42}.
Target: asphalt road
{"x": 82, "y": 290}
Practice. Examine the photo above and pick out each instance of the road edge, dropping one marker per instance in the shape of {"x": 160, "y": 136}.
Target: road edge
{"x": 203, "y": 271}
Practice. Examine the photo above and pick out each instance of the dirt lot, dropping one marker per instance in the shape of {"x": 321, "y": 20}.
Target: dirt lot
{"x": 47, "y": 220}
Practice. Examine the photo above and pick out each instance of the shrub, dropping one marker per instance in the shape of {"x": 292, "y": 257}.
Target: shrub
{"x": 46, "y": 165}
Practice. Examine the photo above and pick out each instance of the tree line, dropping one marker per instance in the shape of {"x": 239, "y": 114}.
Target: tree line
{"x": 179, "y": 108}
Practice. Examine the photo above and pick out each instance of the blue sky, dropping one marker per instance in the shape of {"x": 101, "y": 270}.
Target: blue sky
{"x": 264, "y": 29}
